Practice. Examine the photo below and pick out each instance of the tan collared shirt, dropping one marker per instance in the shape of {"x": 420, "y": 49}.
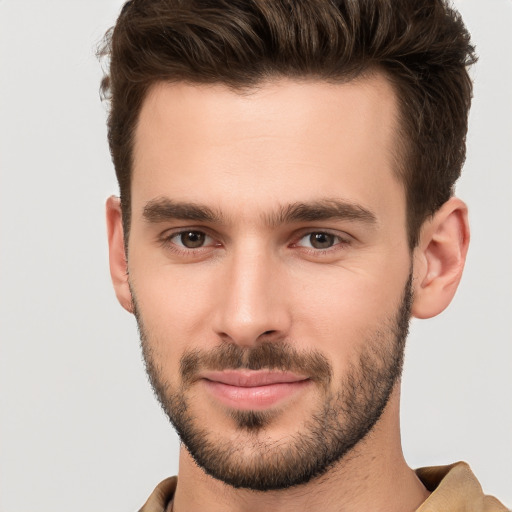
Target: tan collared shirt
{"x": 454, "y": 489}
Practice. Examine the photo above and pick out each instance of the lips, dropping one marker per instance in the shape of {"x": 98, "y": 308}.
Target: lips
{"x": 252, "y": 378}
{"x": 253, "y": 390}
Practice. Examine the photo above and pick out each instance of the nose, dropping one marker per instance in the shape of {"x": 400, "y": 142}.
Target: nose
{"x": 252, "y": 304}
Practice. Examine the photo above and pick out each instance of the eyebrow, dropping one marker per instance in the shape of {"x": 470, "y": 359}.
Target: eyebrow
{"x": 325, "y": 209}
{"x": 163, "y": 209}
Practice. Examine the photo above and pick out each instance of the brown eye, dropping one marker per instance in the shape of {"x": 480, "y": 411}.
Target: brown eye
{"x": 322, "y": 240}
{"x": 192, "y": 239}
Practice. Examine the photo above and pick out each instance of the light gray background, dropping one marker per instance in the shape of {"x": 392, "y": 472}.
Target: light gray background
{"x": 79, "y": 428}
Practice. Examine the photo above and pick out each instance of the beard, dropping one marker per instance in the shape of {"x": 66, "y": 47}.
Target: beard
{"x": 345, "y": 416}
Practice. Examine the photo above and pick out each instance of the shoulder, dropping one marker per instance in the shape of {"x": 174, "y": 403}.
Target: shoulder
{"x": 161, "y": 496}
{"x": 455, "y": 488}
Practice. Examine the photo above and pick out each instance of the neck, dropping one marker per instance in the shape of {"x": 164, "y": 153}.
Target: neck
{"x": 372, "y": 477}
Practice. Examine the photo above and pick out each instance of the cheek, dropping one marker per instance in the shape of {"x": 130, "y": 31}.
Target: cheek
{"x": 174, "y": 306}
{"x": 168, "y": 290}
{"x": 342, "y": 313}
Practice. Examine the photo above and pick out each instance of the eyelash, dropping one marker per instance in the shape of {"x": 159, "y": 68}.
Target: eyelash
{"x": 166, "y": 241}
{"x": 340, "y": 242}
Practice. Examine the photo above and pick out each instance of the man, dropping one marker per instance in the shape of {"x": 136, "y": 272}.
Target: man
{"x": 286, "y": 173}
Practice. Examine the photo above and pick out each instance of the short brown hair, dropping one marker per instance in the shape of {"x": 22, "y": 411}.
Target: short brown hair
{"x": 421, "y": 45}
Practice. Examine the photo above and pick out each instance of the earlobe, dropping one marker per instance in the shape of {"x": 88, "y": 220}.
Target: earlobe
{"x": 439, "y": 258}
{"x": 117, "y": 256}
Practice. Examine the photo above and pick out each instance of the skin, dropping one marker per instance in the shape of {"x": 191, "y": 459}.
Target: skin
{"x": 244, "y": 156}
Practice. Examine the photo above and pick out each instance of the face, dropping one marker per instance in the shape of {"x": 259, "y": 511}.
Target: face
{"x": 270, "y": 272}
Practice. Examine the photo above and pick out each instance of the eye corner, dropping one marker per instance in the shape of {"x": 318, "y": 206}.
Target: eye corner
{"x": 200, "y": 242}
{"x": 321, "y": 239}
{"x": 334, "y": 245}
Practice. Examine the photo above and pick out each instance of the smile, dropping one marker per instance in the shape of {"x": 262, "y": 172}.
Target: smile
{"x": 253, "y": 390}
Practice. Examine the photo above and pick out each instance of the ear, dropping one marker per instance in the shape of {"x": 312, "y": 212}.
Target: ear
{"x": 439, "y": 258}
{"x": 117, "y": 256}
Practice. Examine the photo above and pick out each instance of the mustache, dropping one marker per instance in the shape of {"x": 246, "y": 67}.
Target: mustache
{"x": 268, "y": 355}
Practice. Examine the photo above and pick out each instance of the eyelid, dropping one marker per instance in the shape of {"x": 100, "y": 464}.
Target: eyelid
{"x": 342, "y": 236}
{"x": 165, "y": 239}
{"x": 178, "y": 235}
{"x": 344, "y": 240}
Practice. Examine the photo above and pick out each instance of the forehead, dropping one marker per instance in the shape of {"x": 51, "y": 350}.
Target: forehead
{"x": 283, "y": 141}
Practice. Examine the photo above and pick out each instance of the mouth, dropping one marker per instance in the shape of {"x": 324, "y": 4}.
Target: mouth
{"x": 253, "y": 389}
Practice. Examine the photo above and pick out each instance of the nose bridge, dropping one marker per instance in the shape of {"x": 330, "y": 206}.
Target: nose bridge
{"x": 251, "y": 303}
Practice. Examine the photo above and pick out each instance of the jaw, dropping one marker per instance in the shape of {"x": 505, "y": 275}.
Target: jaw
{"x": 374, "y": 465}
